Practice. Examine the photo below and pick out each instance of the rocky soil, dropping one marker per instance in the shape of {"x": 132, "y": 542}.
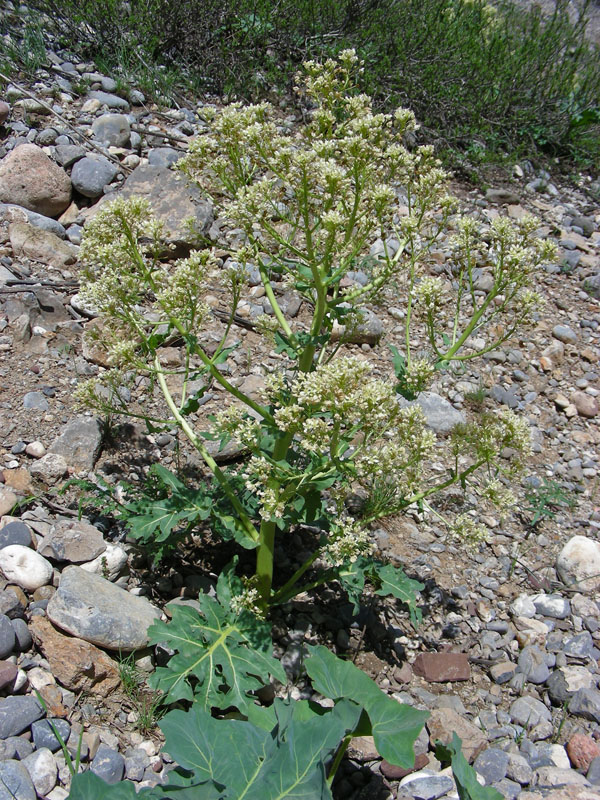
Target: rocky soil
{"x": 508, "y": 652}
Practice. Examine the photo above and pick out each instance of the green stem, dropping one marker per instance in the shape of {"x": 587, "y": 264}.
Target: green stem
{"x": 341, "y": 752}
{"x": 285, "y": 589}
{"x": 244, "y": 519}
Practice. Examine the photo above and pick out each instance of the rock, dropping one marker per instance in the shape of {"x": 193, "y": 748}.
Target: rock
{"x": 173, "y": 202}
{"x": 17, "y": 713}
{"x": 587, "y": 224}
{"x": 586, "y": 703}
{"x": 7, "y": 636}
{"x": 35, "y": 401}
{"x": 551, "y": 605}
{"x": 586, "y": 405}
{"x": 426, "y": 785}
{"x": 15, "y": 782}
{"x": 395, "y": 773}
{"x": 529, "y": 712}
{"x": 77, "y": 665}
{"x": 112, "y": 130}
{"x": 579, "y": 646}
{"x": 110, "y": 100}
{"x": 30, "y": 179}
{"x": 15, "y": 533}
{"x": 582, "y": 750}
{"x": 10, "y": 604}
{"x": 50, "y": 468}
{"x": 13, "y": 213}
{"x": 502, "y": 196}
{"x": 68, "y": 154}
{"x": 72, "y": 541}
{"x": 44, "y": 735}
{"x": 8, "y": 673}
{"x": 91, "y": 174}
{"x": 4, "y": 112}
{"x": 43, "y": 770}
{"x": 593, "y": 773}
{"x": 578, "y": 564}
{"x": 90, "y": 607}
{"x": 108, "y": 764}
{"x": 555, "y": 776}
{"x": 492, "y": 764}
{"x": 533, "y": 665}
{"x": 23, "y": 637}
{"x": 441, "y": 416}
{"x": 503, "y": 671}
{"x": 442, "y": 667}
{"x": 79, "y": 443}
{"x": 568, "y": 793}
{"x": 164, "y": 156}
{"x": 518, "y": 769}
{"x": 564, "y": 334}
{"x": 110, "y": 564}
{"x": 25, "y": 567}
{"x": 366, "y": 329}
{"x": 565, "y": 681}
{"x": 7, "y": 500}
{"x": 39, "y": 245}
{"x": 443, "y": 722}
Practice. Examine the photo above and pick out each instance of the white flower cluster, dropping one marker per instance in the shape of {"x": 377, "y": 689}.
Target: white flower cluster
{"x": 347, "y": 541}
{"x": 465, "y": 529}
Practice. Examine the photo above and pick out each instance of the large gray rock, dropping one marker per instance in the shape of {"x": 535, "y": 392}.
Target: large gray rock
{"x": 112, "y": 130}
{"x": 91, "y": 608}
{"x": 578, "y": 564}
{"x": 91, "y": 174}
{"x": 440, "y": 414}
{"x": 14, "y": 213}
{"x": 164, "y": 156}
{"x": 17, "y": 713}
{"x": 174, "y": 202}
{"x": 15, "y": 782}
{"x": 110, "y": 100}
{"x": 30, "y": 179}
{"x": 79, "y": 443}
{"x": 586, "y": 703}
{"x": 73, "y": 541}
{"x": 528, "y": 712}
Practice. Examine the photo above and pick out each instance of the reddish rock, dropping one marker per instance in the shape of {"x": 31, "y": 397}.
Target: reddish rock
{"x": 30, "y": 179}
{"x": 4, "y": 112}
{"x": 586, "y": 405}
{"x": 582, "y": 750}
{"x": 75, "y": 664}
{"x": 394, "y": 773}
{"x": 53, "y": 698}
{"x": 8, "y": 672}
{"x": 18, "y": 479}
{"x": 442, "y": 667}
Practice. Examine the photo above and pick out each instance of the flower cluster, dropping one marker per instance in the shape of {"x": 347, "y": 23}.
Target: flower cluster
{"x": 346, "y": 542}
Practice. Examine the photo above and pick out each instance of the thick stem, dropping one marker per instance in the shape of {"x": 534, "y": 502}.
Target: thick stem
{"x": 341, "y": 752}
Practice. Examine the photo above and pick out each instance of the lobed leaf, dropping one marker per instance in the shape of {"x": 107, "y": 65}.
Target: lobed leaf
{"x": 395, "y": 726}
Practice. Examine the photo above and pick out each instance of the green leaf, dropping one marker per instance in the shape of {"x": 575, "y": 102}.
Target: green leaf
{"x": 88, "y": 786}
{"x": 220, "y": 657}
{"x": 394, "y": 582}
{"x": 395, "y": 726}
{"x": 464, "y": 775}
{"x": 241, "y": 759}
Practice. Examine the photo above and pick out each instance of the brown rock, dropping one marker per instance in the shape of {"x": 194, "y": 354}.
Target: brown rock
{"x": 18, "y": 479}
{"x": 443, "y": 722}
{"x": 442, "y": 667}
{"x": 40, "y": 245}
{"x": 7, "y": 500}
{"x": 582, "y": 750}
{"x": 586, "y": 405}
{"x": 4, "y": 112}
{"x": 77, "y": 665}
{"x": 394, "y": 773}
{"x": 30, "y": 179}
{"x": 8, "y": 672}
{"x": 362, "y": 748}
{"x": 52, "y": 696}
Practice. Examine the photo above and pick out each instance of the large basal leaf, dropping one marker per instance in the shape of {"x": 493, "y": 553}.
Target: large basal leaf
{"x": 464, "y": 775}
{"x": 241, "y": 759}
{"x": 220, "y": 657}
{"x": 395, "y": 726}
{"x": 88, "y": 786}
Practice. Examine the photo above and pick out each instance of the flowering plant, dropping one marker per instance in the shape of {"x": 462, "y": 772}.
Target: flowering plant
{"x": 302, "y": 209}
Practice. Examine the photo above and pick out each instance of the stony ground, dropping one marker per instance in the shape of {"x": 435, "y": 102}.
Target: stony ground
{"x": 508, "y": 651}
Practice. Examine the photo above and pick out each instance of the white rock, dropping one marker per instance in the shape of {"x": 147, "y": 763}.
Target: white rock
{"x": 38, "y": 678}
{"x": 7, "y": 500}
{"x": 43, "y": 770}
{"x": 578, "y": 564}
{"x": 25, "y": 567}
{"x": 523, "y": 606}
{"x": 50, "y": 468}
{"x": 35, "y": 450}
{"x": 109, "y": 564}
